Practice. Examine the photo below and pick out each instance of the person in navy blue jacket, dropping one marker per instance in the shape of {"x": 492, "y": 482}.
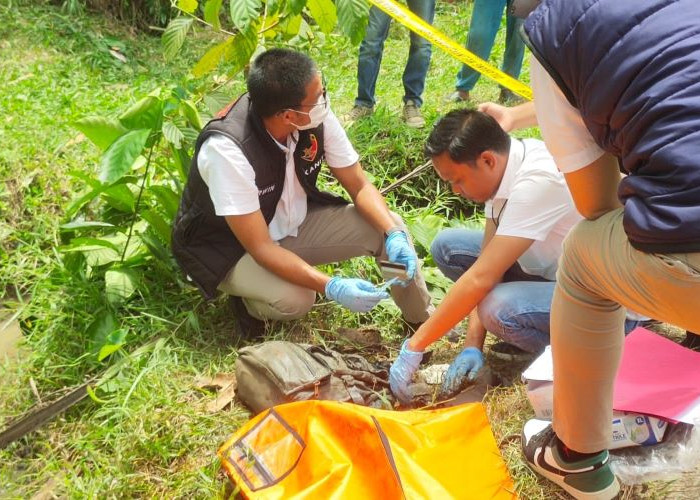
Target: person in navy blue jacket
{"x": 617, "y": 87}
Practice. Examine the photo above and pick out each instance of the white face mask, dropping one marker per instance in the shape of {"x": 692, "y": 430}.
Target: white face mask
{"x": 317, "y": 114}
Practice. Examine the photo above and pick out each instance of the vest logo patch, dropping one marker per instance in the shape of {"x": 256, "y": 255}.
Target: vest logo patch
{"x": 312, "y": 150}
{"x": 266, "y": 190}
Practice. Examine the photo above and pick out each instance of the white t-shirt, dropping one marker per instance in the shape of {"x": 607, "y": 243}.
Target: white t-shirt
{"x": 533, "y": 202}
{"x": 231, "y": 178}
{"x": 567, "y": 137}
{"x": 562, "y": 127}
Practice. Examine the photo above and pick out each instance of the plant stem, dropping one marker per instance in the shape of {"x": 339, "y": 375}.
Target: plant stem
{"x": 138, "y": 202}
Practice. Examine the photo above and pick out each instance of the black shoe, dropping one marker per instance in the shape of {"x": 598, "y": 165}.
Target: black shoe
{"x": 509, "y": 352}
{"x": 246, "y": 326}
{"x": 589, "y": 479}
{"x": 509, "y": 98}
{"x": 691, "y": 341}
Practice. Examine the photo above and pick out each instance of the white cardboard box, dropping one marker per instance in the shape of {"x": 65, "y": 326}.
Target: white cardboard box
{"x": 629, "y": 429}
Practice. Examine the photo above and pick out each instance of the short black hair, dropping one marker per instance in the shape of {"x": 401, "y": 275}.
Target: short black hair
{"x": 464, "y": 134}
{"x": 277, "y": 80}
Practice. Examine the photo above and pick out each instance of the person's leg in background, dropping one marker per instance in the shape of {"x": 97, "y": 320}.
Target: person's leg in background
{"x": 514, "y": 53}
{"x": 599, "y": 272}
{"x": 370, "y": 57}
{"x": 486, "y": 19}
{"x": 417, "y": 65}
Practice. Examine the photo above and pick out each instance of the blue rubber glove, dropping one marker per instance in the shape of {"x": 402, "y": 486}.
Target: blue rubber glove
{"x": 465, "y": 366}
{"x": 402, "y": 371}
{"x": 398, "y": 249}
{"x": 355, "y": 294}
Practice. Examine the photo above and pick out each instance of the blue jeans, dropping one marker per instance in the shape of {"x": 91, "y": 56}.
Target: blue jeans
{"x": 516, "y": 310}
{"x": 371, "y": 55}
{"x": 486, "y": 19}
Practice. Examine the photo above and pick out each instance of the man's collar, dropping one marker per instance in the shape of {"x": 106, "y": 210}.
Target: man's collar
{"x": 516, "y": 154}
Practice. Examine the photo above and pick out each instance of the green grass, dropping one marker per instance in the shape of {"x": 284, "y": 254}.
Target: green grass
{"x": 150, "y": 435}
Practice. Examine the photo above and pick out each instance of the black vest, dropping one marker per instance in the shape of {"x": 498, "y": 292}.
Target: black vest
{"x": 203, "y": 244}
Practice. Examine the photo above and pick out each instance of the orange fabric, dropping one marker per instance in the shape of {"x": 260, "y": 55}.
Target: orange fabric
{"x": 327, "y": 449}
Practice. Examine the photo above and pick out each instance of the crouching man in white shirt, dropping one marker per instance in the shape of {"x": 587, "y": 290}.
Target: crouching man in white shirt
{"x": 253, "y": 222}
{"x": 504, "y": 275}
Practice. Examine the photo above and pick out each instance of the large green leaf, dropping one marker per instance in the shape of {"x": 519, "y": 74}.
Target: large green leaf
{"x": 290, "y": 26}
{"x": 173, "y": 134}
{"x": 100, "y": 329}
{"x": 112, "y": 343}
{"x": 216, "y": 101}
{"x": 77, "y": 225}
{"x": 158, "y": 223}
{"x": 190, "y": 111}
{"x": 156, "y": 247}
{"x": 121, "y": 155}
{"x": 296, "y": 6}
{"x": 188, "y": 6}
{"x": 120, "y": 197}
{"x": 182, "y": 163}
{"x": 174, "y": 36}
{"x": 242, "y": 48}
{"x": 145, "y": 113}
{"x": 211, "y": 13}
{"x": 97, "y": 251}
{"x": 244, "y": 11}
{"x": 120, "y": 284}
{"x": 168, "y": 199}
{"x": 425, "y": 228}
{"x": 89, "y": 244}
{"x": 100, "y": 130}
{"x": 211, "y": 59}
{"x": 352, "y": 17}
{"x": 324, "y": 13}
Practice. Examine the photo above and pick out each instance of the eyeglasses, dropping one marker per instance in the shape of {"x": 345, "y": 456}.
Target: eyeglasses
{"x": 323, "y": 102}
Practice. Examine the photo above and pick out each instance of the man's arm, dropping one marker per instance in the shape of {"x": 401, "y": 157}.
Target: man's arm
{"x": 594, "y": 187}
{"x": 470, "y": 289}
{"x": 476, "y": 333}
{"x": 253, "y": 233}
{"x": 365, "y": 196}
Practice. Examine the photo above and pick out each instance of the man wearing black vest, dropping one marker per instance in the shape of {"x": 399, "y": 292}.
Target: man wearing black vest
{"x": 252, "y": 221}
{"x": 616, "y": 85}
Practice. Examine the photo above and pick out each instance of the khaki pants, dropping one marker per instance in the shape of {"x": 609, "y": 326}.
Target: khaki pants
{"x": 328, "y": 234}
{"x": 599, "y": 271}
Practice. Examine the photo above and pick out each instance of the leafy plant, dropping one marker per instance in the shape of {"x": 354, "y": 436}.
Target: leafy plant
{"x": 120, "y": 224}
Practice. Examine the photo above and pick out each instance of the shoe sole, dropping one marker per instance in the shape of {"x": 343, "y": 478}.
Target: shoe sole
{"x": 606, "y": 494}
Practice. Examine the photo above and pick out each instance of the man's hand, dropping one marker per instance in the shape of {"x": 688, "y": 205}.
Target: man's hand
{"x": 402, "y": 371}
{"x": 355, "y": 294}
{"x": 398, "y": 249}
{"x": 465, "y": 367}
{"x": 510, "y": 119}
{"x": 499, "y": 113}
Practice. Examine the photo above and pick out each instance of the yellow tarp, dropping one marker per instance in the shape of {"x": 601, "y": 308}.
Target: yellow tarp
{"x": 327, "y": 449}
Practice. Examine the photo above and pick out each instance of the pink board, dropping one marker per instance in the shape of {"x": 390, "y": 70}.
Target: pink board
{"x": 658, "y": 377}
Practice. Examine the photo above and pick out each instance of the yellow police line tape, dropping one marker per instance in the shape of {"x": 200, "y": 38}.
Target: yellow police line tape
{"x": 439, "y": 39}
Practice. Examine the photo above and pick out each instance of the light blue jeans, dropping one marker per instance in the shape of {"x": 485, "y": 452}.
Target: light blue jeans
{"x": 517, "y": 310}
{"x": 486, "y": 19}
{"x": 372, "y": 48}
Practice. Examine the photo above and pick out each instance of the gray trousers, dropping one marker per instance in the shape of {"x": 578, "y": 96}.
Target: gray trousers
{"x": 328, "y": 234}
